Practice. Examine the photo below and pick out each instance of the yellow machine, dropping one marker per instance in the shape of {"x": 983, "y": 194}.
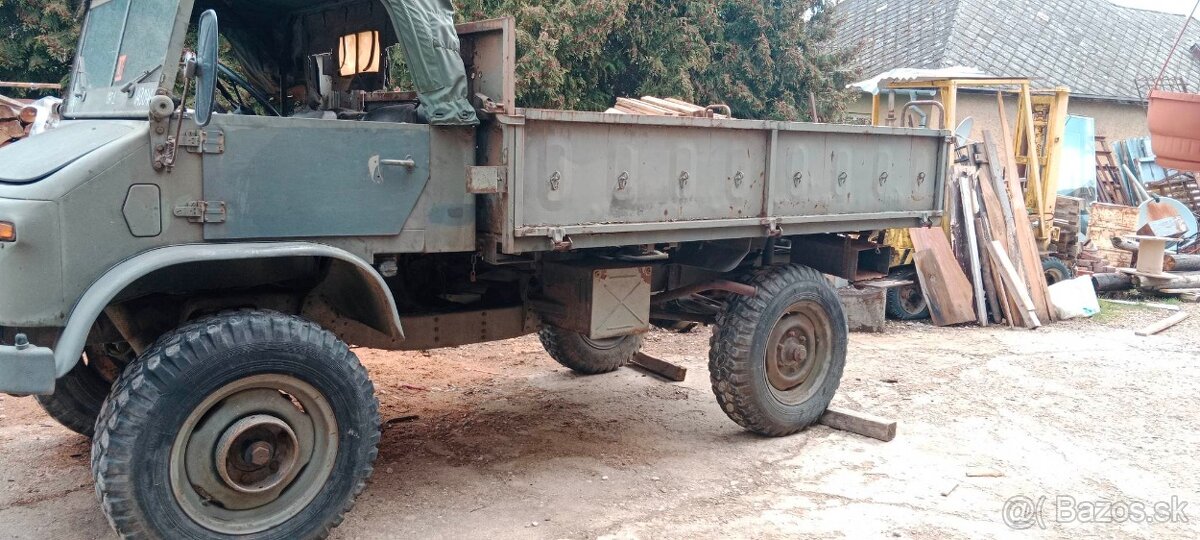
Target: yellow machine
{"x": 1044, "y": 110}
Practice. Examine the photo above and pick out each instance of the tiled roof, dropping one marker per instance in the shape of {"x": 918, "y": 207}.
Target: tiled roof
{"x": 1095, "y": 48}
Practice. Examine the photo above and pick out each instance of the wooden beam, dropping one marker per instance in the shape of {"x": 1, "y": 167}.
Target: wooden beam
{"x": 860, "y": 423}
{"x": 968, "y": 207}
{"x": 31, "y": 86}
{"x": 656, "y": 366}
{"x": 1163, "y": 324}
{"x": 1014, "y": 283}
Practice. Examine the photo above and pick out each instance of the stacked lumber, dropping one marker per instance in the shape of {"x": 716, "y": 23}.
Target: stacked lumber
{"x": 989, "y": 269}
{"x": 16, "y": 119}
{"x": 650, "y": 105}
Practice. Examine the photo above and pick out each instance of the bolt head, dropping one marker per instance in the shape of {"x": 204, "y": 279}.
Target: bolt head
{"x": 260, "y": 453}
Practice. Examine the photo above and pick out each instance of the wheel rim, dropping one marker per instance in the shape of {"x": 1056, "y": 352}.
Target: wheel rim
{"x": 253, "y": 454}
{"x": 799, "y": 351}
{"x": 912, "y": 301}
{"x": 603, "y": 344}
{"x": 1053, "y": 276}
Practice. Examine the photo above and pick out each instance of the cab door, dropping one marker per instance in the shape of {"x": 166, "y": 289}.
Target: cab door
{"x": 311, "y": 178}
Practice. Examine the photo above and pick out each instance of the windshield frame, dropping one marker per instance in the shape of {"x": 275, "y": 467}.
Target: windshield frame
{"x": 114, "y": 101}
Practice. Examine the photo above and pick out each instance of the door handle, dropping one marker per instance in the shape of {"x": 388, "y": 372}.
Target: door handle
{"x": 407, "y": 163}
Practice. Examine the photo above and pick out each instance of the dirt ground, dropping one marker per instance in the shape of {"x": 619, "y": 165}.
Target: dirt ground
{"x": 497, "y": 441}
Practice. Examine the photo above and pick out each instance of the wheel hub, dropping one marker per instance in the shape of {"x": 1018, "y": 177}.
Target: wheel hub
{"x": 911, "y": 299}
{"x": 788, "y": 364}
{"x": 253, "y": 454}
{"x": 256, "y": 453}
{"x": 798, "y": 351}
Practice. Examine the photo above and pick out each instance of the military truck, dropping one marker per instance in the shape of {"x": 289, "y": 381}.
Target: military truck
{"x": 187, "y": 259}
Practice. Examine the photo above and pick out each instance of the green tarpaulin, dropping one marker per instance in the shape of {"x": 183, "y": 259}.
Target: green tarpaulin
{"x": 426, "y": 32}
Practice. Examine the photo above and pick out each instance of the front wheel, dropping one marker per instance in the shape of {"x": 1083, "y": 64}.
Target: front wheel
{"x": 80, "y": 393}
{"x": 249, "y": 423}
{"x": 776, "y": 358}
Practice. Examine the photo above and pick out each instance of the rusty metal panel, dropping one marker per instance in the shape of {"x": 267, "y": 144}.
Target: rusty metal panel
{"x": 599, "y": 302}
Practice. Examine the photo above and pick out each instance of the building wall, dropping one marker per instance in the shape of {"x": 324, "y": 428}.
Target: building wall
{"x": 1114, "y": 120}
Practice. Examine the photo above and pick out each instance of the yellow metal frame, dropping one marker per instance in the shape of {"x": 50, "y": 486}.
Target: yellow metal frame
{"x": 1045, "y": 111}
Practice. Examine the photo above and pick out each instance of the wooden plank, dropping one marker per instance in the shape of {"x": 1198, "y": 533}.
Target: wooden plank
{"x": 968, "y": 207}
{"x": 992, "y": 292}
{"x": 996, "y": 173}
{"x": 1163, "y": 324}
{"x": 659, "y": 367}
{"x": 1027, "y": 253}
{"x": 863, "y": 424}
{"x": 943, "y": 282}
{"x": 1013, "y": 282}
{"x": 996, "y": 216}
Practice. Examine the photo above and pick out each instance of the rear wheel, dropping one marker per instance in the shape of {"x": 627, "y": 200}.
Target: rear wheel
{"x": 907, "y": 302}
{"x": 776, "y": 359}
{"x": 586, "y": 355}
{"x": 250, "y": 423}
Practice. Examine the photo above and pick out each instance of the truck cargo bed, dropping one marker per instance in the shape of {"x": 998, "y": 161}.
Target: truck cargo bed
{"x": 583, "y": 179}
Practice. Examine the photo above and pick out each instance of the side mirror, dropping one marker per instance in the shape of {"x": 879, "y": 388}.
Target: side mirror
{"x": 207, "y": 48}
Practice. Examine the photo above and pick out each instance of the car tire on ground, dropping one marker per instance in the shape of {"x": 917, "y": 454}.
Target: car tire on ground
{"x": 249, "y": 423}
{"x": 588, "y": 356}
{"x": 776, "y": 358}
{"x": 906, "y": 302}
{"x": 79, "y": 394}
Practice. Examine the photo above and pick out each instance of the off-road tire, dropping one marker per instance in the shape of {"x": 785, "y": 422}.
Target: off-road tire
{"x": 738, "y": 351}
{"x": 895, "y": 306}
{"x": 142, "y": 416}
{"x": 585, "y": 356}
{"x": 77, "y": 399}
{"x": 1056, "y": 270}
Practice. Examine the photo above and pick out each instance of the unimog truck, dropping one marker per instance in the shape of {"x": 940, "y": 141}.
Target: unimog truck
{"x": 189, "y": 256}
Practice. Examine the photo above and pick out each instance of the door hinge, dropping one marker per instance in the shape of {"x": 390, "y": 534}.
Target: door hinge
{"x": 203, "y": 141}
{"x": 202, "y": 211}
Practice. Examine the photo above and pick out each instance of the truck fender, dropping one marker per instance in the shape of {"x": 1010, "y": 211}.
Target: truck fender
{"x": 89, "y": 307}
